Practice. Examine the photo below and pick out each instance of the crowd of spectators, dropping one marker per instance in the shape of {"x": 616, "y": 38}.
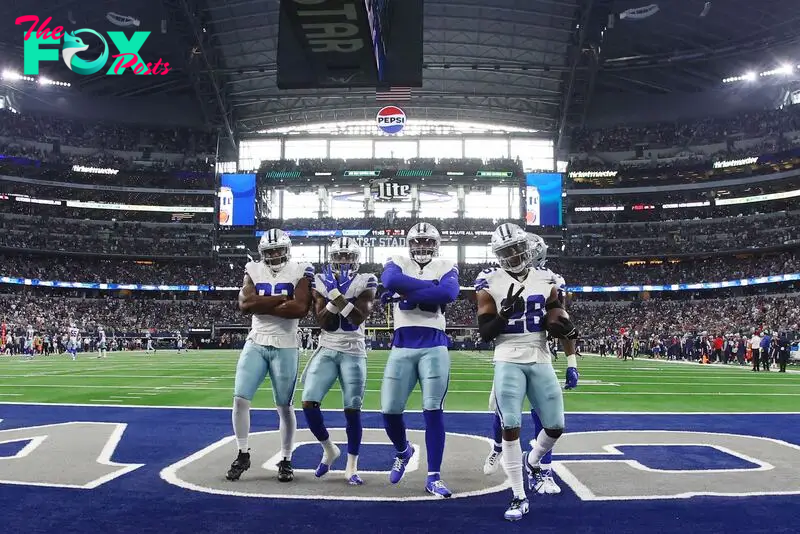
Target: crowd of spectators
{"x": 44, "y": 233}
{"x": 112, "y": 136}
{"x": 229, "y": 274}
{"x": 680, "y": 133}
{"x": 62, "y": 192}
{"x": 666, "y": 318}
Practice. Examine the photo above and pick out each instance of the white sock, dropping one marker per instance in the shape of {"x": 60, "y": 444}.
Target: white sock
{"x": 330, "y": 451}
{"x": 241, "y": 422}
{"x": 540, "y": 447}
{"x": 352, "y": 465}
{"x": 512, "y": 465}
{"x": 287, "y": 428}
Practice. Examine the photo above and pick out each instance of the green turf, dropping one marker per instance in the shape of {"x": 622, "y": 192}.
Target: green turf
{"x": 206, "y": 379}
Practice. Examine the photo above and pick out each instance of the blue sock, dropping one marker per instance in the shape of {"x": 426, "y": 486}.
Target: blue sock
{"x": 434, "y": 439}
{"x": 396, "y": 430}
{"x": 497, "y": 432}
{"x": 547, "y": 459}
{"x": 315, "y": 423}
{"x": 354, "y": 431}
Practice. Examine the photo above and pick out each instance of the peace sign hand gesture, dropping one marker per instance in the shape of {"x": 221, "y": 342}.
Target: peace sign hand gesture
{"x": 513, "y": 304}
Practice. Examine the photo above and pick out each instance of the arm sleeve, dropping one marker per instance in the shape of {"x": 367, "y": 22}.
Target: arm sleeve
{"x": 490, "y": 326}
{"x": 308, "y": 272}
{"x": 443, "y": 293}
{"x": 394, "y": 280}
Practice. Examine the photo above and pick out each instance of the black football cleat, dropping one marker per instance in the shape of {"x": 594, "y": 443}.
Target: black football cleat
{"x": 239, "y": 466}
{"x": 285, "y": 471}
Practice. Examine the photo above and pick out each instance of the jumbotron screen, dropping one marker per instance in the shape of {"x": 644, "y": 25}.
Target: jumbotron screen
{"x": 543, "y": 199}
{"x": 237, "y": 200}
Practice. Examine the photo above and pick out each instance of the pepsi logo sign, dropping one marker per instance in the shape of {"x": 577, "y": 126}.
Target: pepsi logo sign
{"x": 391, "y": 119}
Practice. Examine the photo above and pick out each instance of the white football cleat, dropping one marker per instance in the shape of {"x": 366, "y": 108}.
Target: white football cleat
{"x": 492, "y": 463}
{"x": 547, "y": 485}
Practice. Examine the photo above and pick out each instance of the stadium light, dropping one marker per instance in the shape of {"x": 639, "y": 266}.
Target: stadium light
{"x": 749, "y": 76}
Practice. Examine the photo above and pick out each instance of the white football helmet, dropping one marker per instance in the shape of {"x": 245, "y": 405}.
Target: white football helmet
{"x": 423, "y": 242}
{"x": 275, "y": 248}
{"x": 344, "y": 252}
{"x": 511, "y": 248}
{"x": 538, "y": 250}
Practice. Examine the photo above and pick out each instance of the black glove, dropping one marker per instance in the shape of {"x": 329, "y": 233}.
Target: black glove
{"x": 513, "y": 304}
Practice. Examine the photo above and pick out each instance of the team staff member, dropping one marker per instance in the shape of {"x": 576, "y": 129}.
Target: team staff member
{"x": 755, "y": 348}
{"x": 766, "y": 343}
{"x": 784, "y": 347}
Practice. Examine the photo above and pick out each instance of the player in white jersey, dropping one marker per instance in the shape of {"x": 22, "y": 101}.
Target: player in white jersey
{"x": 74, "y": 341}
{"x": 420, "y": 286}
{"x": 545, "y": 484}
{"x": 277, "y": 292}
{"x": 101, "y": 342}
{"x": 343, "y": 300}
{"x": 516, "y": 319}
{"x": 150, "y": 347}
{"x": 30, "y": 350}
{"x": 179, "y": 341}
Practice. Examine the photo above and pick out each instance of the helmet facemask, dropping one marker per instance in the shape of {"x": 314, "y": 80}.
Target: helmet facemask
{"x": 344, "y": 260}
{"x": 423, "y": 249}
{"x": 275, "y": 258}
{"x": 515, "y": 257}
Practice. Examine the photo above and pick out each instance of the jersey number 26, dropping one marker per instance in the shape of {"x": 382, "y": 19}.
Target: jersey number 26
{"x": 530, "y": 320}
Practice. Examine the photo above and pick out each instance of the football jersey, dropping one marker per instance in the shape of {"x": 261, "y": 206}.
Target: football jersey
{"x": 524, "y": 340}
{"x": 413, "y": 323}
{"x": 102, "y": 334}
{"x": 30, "y": 333}
{"x": 74, "y": 333}
{"x": 269, "y": 330}
{"x": 347, "y": 337}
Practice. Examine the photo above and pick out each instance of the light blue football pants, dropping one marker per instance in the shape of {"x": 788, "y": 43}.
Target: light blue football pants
{"x": 405, "y": 367}
{"x": 537, "y": 381}
{"x": 328, "y": 365}
{"x": 256, "y": 361}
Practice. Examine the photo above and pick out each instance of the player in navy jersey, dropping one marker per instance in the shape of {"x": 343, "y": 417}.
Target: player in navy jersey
{"x": 277, "y": 292}
{"x": 420, "y": 286}
{"x": 343, "y": 300}
{"x": 515, "y": 319}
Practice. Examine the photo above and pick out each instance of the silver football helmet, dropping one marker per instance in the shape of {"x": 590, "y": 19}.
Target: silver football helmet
{"x": 275, "y": 249}
{"x": 511, "y": 247}
{"x": 538, "y": 250}
{"x": 344, "y": 252}
{"x": 423, "y": 242}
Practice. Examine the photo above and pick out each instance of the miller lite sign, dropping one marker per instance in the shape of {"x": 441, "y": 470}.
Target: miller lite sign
{"x": 391, "y": 119}
{"x": 392, "y": 191}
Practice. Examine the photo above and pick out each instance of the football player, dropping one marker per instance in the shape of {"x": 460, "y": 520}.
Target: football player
{"x": 179, "y": 341}
{"x": 343, "y": 300}
{"x": 29, "y": 350}
{"x": 72, "y": 346}
{"x": 420, "y": 287}
{"x": 101, "y": 342}
{"x": 277, "y": 292}
{"x": 514, "y": 317}
{"x": 150, "y": 347}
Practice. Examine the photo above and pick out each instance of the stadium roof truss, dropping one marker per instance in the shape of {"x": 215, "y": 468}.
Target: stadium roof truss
{"x": 498, "y": 61}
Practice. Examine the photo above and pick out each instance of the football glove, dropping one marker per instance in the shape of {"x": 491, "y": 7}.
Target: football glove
{"x": 572, "y": 378}
{"x": 329, "y": 279}
{"x": 512, "y": 305}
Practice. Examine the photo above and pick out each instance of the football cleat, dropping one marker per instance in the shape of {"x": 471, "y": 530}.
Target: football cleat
{"x": 239, "y": 466}
{"x": 355, "y": 480}
{"x": 548, "y": 486}
{"x": 285, "y": 471}
{"x": 399, "y": 465}
{"x": 492, "y": 463}
{"x": 437, "y": 488}
{"x": 323, "y": 468}
{"x": 535, "y": 476}
{"x": 516, "y": 510}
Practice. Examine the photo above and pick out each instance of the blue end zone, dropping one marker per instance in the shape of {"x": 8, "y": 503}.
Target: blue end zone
{"x": 12, "y": 447}
{"x": 140, "y": 502}
{"x": 371, "y": 457}
{"x": 684, "y": 457}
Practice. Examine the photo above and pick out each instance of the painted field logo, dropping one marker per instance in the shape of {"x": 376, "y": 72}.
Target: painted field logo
{"x": 391, "y": 119}
{"x": 36, "y": 50}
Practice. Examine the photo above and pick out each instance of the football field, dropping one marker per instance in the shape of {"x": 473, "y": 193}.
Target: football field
{"x": 205, "y": 378}
{"x": 137, "y": 444}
